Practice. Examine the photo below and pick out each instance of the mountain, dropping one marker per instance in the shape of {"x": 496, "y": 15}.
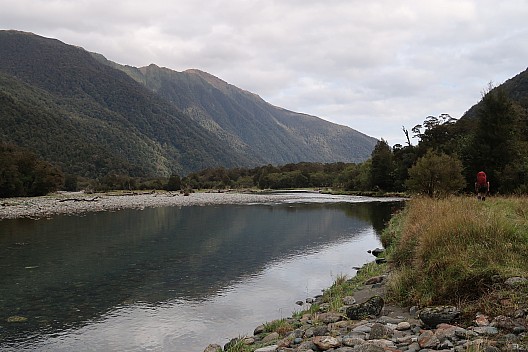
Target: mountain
{"x": 515, "y": 88}
{"x": 94, "y": 117}
{"x": 248, "y": 122}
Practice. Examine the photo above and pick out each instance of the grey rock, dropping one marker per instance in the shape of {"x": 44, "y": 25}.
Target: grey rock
{"x": 349, "y": 300}
{"x": 352, "y": 341}
{"x": 307, "y": 346}
{"x": 380, "y": 331}
{"x": 330, "y": 317}
{"x": 514, "y": 281}
{"x": 271, "y": 348}
{"x": 259, "y": 330}
{"x": 326, "y": 342}
{"x": 372, "y": 307}
{"x": 320, "y": 330}
{"x": 364, "y": 328}
{"x": 486, "y": 330}
{"x": 344, "y": 349}
{"x": 404, "y": 325}
{"x": 432, "y": 316}
{"x": 271, "y": 337}
{"x": 519, "y": 329}
{"x": 368, "y": 348}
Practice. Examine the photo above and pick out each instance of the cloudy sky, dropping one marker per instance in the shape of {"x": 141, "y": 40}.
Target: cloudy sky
{"x": 373, "y": 65}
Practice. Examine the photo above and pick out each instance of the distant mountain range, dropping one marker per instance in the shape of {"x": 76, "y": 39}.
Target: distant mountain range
{"x": 92, "y": 116}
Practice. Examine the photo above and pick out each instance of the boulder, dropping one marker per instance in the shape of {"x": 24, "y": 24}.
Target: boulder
{"x": 432, "y": 316}
{"x": 326, "y": 342}
{"x": 372, "y": 307}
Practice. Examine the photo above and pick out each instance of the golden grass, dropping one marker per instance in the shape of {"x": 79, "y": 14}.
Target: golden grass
{"x": 455, "y": 249}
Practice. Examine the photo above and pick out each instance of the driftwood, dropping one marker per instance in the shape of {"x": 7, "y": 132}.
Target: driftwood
{"x": 94, "y": 199}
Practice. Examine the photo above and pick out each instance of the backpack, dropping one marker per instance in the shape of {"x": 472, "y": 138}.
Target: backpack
{"x": 481, "y": 179}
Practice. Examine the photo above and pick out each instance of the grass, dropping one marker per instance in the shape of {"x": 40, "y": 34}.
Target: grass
{"x": 458, "y": 250}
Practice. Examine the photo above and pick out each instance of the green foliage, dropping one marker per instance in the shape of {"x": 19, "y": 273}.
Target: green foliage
{"x": 382, "y": 168}
{"x": 174, "y": 183}
{"x": 23, "y": 174}
{"x": 436, "y": 174}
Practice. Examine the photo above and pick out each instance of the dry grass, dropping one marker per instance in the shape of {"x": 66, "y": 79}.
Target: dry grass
{"x": 456, "y": 249}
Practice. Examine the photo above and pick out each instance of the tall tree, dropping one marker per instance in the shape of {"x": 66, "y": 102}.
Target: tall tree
{"x": 382, "y": 168}
{"x": 493, "y": 146}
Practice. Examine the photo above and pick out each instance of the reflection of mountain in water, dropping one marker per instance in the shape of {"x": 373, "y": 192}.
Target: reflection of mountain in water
{"x": 69, "y": 269}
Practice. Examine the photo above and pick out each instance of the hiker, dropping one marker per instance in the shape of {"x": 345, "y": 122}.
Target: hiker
{"x": 482, "y": 186}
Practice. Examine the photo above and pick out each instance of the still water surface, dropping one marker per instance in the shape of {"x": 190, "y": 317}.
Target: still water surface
{"x": 174, "y": 278}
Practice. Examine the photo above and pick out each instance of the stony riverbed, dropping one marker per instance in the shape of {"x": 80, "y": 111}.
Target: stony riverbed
{"x": 79, "y": 202}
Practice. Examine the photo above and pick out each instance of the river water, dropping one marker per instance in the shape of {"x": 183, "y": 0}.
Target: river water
{"x": 175, "y": 278}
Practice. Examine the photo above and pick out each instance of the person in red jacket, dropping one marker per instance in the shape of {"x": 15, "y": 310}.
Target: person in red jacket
{"x": 482, "y": 186}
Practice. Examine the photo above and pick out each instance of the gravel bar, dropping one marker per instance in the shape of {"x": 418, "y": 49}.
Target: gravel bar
{"x": 78, "y": 202}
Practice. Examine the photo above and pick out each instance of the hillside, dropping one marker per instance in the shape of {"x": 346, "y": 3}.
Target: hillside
{"x": 248, "y": 122}
{"x": 77, "y": 110}
{"x": 516, "y": 88}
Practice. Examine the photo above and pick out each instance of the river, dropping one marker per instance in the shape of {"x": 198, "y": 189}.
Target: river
{"x": 175, "y": 278}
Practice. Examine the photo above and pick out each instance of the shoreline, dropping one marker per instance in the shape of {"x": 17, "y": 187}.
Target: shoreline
{"x": 76, "y": 203}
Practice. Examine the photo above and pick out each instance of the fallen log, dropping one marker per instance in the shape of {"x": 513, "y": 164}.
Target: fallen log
{"x": 94, "y": 199}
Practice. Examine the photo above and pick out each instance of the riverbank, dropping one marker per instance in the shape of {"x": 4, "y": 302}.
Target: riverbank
{"x": 456, "y": 280}
{"x": 79, "y": 202}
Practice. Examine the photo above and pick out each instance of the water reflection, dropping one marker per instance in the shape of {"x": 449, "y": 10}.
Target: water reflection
{"x": 69, "y": 271}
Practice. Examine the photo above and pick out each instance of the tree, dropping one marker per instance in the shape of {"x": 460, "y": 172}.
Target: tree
{"x": 381, "y": 170}
{"x": 436, "y": 174}
{"x": 493, "y": 145}
{"x": 174, "y": 183}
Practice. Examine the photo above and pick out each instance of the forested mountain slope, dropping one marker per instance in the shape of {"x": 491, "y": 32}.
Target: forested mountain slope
{"x": 77, "y": 110}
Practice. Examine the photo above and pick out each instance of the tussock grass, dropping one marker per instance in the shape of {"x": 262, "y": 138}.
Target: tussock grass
{"x": 455, "y": 249}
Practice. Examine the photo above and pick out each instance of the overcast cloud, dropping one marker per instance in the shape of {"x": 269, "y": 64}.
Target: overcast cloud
{"x": 372, "y": 65}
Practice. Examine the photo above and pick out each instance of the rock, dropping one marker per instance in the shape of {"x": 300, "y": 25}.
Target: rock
{"x": 432, "y": 316}
{"x": 372, "y": 306}
{"x": 299, "y": 303}
{"x": 326, "y": 342}
{"x": 349, "y": 300}
{"x": 16, "y": 319}
{"x": 271, "y": 337}
{"x": 504, "y": 322}
{"x": 320, "y": 330}
{"x": 307, "y": 346}
{"x": 486, "y": 330}
{"x": 271, "y": 348}
{"x": 482, "y": 320}
{"x": 380, "y": 331}
{"x": 231, "y": 343}
{"x": 368, "y": 348}
{"x": 380, "y": 260}
{"x": 374, "y": 280}
{"x": 402, "y": 326}
{"x": 213, "y": 348}
{"x": 259, "y": 330}
{"x": 514, "y": 281}
{"x": 376, "y": 252}
{"x": 344, "y": 349}
{"x": 428, "y": 339}
{"x": 330, "y": 317}
{"x": 352, "y": 341}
